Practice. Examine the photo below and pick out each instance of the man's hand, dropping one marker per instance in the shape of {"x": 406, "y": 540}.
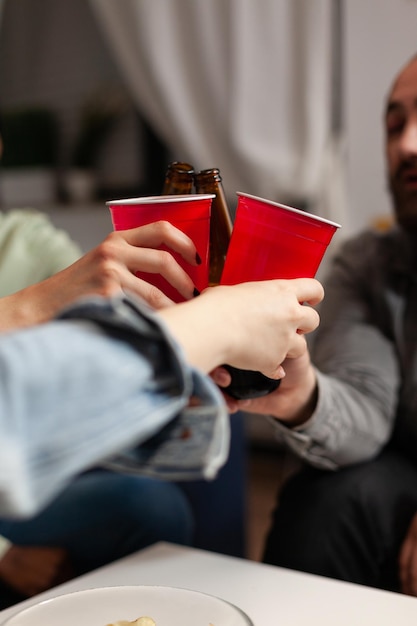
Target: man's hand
{"x": 292, "y": 403}
{"x": 408, "y": 560}
{"x": 32, "y": 569}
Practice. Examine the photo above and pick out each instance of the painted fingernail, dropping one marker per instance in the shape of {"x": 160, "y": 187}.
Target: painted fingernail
{"x": 198, "y": 258}
{"x": 196, "y": 292}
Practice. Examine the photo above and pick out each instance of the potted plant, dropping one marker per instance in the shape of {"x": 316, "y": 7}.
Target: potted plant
{"x": 98, "y": 116}
{"x": 30, "y": 157}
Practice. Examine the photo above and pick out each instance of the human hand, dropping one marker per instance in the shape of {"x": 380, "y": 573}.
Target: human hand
{"x": 106, "y": 270}
{"x": 292, "y": 403}
{"x": 32, "y": 569}
{"x": 408, "y": 560}
{"x": 251, "y": 325}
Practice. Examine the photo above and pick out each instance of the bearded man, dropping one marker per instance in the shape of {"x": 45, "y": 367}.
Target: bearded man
{"x": 351, "y": 512}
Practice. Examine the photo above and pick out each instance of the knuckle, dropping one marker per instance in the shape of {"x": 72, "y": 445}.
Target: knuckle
{"x": 162, "y": 228}
{"x": 107, "y": 279}
{"x": 166, "y": 260}
{"x": 154, "y": 296}
{"x": 297, "y": 312}
{"x": 107, "y": 250}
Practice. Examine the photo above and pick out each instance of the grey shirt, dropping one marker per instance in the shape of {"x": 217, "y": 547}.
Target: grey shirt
{"x": 365, "y": 354}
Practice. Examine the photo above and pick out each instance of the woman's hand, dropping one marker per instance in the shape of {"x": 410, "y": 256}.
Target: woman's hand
{"x": 251, "y": 325}
{"x": 106, "y": 270}
{"x": 292, "y": 403}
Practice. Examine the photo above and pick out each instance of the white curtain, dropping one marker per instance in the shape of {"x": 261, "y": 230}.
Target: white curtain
{"x": 243, "y": 85}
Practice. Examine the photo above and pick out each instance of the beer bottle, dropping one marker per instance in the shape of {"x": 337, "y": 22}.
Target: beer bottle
{"x": 210, "y": 181}
{"x": 179, "y": 179}
{"x": 245, "y": 383}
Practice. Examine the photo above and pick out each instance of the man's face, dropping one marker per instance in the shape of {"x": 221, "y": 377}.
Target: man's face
{"x": 401, "y": 146}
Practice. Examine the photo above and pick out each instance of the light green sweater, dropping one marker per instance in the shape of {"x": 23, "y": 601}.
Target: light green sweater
{"x": 31, "y": 249}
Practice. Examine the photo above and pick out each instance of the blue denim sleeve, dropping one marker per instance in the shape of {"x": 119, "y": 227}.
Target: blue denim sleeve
{"x": 92, "y": 387}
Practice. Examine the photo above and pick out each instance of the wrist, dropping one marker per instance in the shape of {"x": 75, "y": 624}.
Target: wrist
{"x": 305, "y": 409}
{"x": 22, "y": 309}
{"x": 195, "y": 326}
{"x": 300, "y": 400}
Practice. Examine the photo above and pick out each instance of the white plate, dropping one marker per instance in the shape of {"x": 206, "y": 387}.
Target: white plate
{"x": 168, "y": 606}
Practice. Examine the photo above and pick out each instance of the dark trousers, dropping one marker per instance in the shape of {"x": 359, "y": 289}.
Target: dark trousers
{"x": 101, "y": 517}
{"x": 348, "y": 524}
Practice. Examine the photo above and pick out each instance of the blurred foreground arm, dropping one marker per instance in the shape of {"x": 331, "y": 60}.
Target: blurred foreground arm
{"x": 252, "y": 326}
{"x": 111, "y": 373}
{"x": 107, "y": 270}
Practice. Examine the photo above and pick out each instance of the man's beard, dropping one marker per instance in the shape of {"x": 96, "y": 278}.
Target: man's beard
{"x": 404, "y": 201}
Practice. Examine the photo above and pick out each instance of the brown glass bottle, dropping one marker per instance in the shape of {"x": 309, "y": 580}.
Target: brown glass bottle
{"x": 179, "y": 179}
{"x": 210, "y": 181}
{"x": 245, "y": 383}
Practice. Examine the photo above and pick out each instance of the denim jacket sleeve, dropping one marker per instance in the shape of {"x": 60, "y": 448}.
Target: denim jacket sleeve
{"x": 71, "y": 398}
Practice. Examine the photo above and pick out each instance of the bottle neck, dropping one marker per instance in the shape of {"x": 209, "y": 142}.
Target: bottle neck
{"x": 179, "y": 179}
{"x": 210, "y": 181}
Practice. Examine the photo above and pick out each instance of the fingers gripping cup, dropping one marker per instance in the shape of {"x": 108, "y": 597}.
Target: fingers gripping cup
{"x": 271, "y": 240}
{"x": 189, "y": 213}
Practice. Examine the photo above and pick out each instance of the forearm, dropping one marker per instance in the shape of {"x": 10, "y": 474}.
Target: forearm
{"x": 15, "y": 313}
{"x": 33, "y": 305}
{"x": 346, "y": 426}
{"x": 71, "y": 397}
{"x": 296, "y": 398}
{"x": 357, "y": 367}
{"x": 196, "y": 327}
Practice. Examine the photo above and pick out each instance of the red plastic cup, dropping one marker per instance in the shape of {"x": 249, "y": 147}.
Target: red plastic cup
{"x": 189, "y": 213}
{"x": 271, "y": 240}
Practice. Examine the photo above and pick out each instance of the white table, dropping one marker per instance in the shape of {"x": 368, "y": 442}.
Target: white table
{"x": 270, "y": 595}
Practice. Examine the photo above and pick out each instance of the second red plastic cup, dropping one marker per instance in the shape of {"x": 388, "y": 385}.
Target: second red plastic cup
{"x": 189, "y": 213}
{"x": 271, "y": 240}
